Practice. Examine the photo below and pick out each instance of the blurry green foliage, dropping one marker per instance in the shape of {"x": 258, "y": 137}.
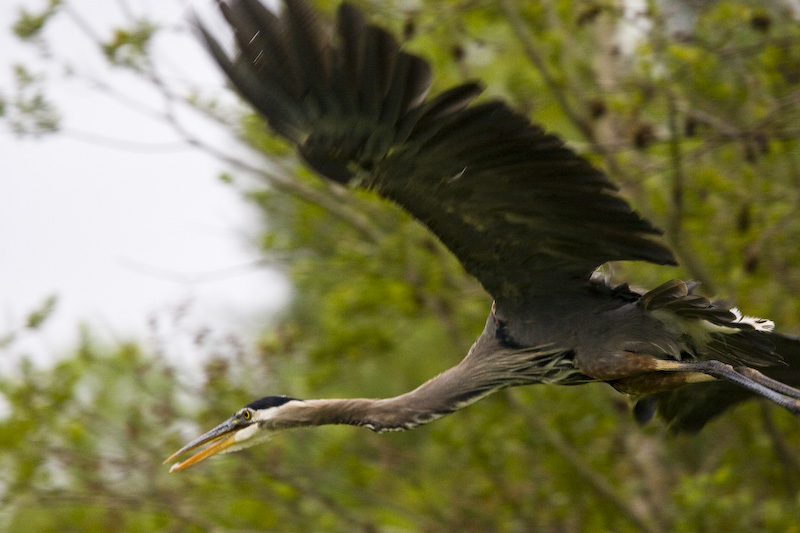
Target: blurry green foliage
{"x": 128, "y": 46}
{"x": 30, "y": 323}
{"x": 38, "y": 316}
{"x": 29, "y": 24}
{"x": 700, "y": 131}
{"x": 29, "y": 111}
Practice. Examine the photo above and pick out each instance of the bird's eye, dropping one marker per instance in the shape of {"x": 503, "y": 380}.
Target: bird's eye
{"x": 247, "y": 415}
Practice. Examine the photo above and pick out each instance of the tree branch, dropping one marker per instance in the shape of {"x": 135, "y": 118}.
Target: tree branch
{"x": 594, "y": 479}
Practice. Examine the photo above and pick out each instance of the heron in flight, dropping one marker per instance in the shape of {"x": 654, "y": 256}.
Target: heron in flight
{"x": 525, "y": 215}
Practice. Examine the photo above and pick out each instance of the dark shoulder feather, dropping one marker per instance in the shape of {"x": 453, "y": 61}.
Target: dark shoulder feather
{"x": 728, "y": 337}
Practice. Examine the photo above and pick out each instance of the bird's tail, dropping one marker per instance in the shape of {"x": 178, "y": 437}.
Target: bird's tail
{"x": 689, "y": 408}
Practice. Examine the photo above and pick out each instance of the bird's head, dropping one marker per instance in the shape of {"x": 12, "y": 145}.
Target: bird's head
{"x": 248, "y": 426}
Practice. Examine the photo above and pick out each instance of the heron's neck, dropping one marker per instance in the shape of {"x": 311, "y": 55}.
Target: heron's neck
{"x": 485, "y": 370}
{"x": 435, "y": 398}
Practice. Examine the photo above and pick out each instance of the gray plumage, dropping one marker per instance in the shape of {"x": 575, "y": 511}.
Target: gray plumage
{"x": 525, "y": 215}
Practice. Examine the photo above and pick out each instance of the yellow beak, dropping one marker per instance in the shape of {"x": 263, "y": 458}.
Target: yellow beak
{"x": 221, "y": 437}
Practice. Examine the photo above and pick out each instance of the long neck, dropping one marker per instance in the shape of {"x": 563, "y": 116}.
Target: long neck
{"x": 434, "y": 399}
{"x": 486, "y": 369}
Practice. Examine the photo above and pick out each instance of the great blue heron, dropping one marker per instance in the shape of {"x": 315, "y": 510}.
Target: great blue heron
{"x": 525, "y": 215}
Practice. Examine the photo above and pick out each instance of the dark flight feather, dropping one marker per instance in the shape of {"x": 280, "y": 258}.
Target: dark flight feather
{"x": 518, "y": 208}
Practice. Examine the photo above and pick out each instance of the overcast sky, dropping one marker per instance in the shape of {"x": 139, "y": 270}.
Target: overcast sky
{"x": 116, "y": 216}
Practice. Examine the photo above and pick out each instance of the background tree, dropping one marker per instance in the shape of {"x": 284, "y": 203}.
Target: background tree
{"x": 698, "y": 125}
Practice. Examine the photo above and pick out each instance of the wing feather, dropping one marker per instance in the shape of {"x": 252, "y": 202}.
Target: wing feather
{"x": 517, "y": 207}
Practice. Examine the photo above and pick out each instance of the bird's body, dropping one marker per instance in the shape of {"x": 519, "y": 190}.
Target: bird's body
{"x": 525, "y": 215}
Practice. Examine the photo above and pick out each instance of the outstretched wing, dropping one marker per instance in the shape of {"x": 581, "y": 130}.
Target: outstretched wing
{"x": 518, "y": 208}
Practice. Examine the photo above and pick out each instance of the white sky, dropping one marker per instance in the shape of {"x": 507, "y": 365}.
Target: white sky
{"x": 98, "y": 225}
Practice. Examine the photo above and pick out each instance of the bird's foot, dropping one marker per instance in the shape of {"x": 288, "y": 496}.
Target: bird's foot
{"x": 749, "y": 378}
